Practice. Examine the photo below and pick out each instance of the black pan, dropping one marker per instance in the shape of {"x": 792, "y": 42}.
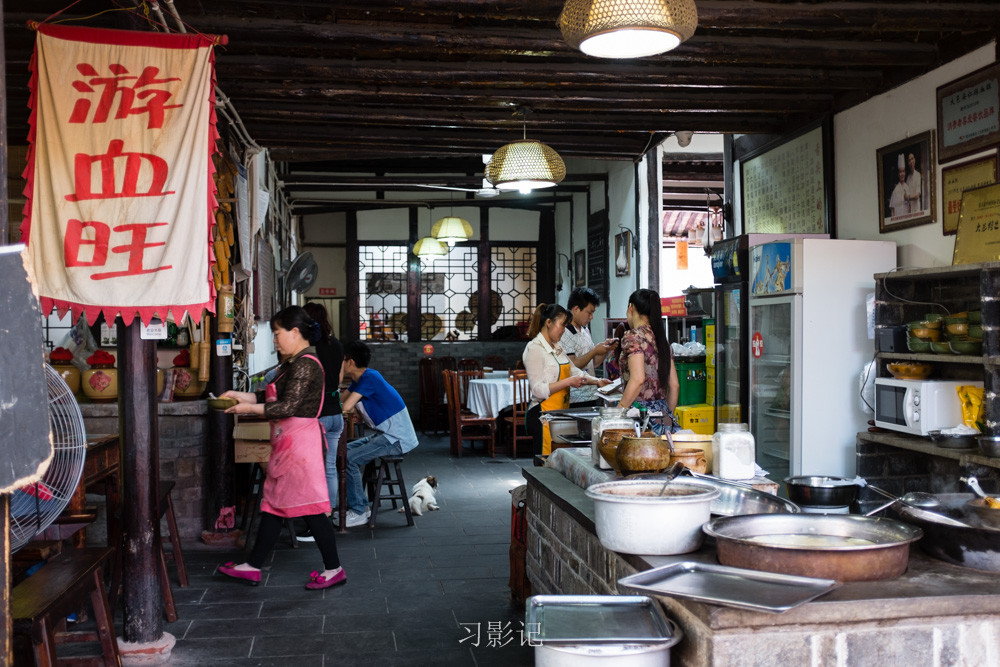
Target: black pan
{"x": 977, "y": 546}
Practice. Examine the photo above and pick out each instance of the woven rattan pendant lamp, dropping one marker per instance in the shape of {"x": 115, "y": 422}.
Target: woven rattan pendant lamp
{"x": 525, "y": 165}
{"x": 451, "y": 229}
{"x": 627, "y": 28}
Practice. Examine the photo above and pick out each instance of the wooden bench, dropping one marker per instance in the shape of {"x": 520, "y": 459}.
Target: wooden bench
{"x": 41, "y": 603}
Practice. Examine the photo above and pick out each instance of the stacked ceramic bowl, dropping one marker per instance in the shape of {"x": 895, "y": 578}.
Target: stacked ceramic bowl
{"x": 963, "y": 334}
{"x": 923, "y": 333}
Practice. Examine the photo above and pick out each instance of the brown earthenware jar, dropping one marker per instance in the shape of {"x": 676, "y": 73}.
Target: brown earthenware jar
{"x": 609, "y": 444}
{"x": 647, "y": 453}
{"x": 693, "y": 459}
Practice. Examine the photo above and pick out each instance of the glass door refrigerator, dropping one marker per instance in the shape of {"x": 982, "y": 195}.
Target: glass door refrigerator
{"x": 731, "y": 268}
{"x": 809, "y": 339}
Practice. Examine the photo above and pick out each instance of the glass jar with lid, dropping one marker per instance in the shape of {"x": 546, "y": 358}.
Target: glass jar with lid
{"x": 609, "y": 417}
{"x": 733, "y": 452}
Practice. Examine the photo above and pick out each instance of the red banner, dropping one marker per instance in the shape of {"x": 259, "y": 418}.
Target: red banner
{"x": 119, "y": 190}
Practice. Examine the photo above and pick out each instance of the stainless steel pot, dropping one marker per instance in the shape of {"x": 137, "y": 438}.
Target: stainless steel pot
{"x": 738, "y": 499}
{"x": 817, "y": 490}
{"x": 832, "y": 546}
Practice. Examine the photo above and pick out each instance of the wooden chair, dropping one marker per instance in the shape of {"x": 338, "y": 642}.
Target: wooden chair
{"x": 522, "y": 397}
{"x": 466, "y": 425}
{"x": 432, "y": 406}
{"x": 494, "y": 361}
{"x": 469, "y": 364}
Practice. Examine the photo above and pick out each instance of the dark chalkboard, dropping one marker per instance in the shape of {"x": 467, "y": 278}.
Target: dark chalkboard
{"x": 24, "y": 396}
{"x": 597, "y": 253}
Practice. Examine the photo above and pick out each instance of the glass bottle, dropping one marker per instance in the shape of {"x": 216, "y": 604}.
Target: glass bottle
{"x": 609, "y": 417}
{"x": 733, "y": 452}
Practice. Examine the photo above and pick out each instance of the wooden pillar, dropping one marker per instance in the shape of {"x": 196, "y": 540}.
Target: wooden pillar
{"x": 413, "y": 278}
{"x": 989, "y": 292}
{"x": 353, "y": 288}
{"x": 140, "y": 456}
{"x": 7, "y": 625}
{"x": 485, "y": 278}
{"x": 220, "y": 434}
{"x": 545, "y": 259}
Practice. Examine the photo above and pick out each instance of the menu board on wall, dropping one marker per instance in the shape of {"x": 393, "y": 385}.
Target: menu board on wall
{"x": 597, "y": 253}
{"x": 784, "y": 188}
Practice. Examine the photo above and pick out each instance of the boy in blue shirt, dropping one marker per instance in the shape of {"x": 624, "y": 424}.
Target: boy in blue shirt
{"x": 383, "y": 410}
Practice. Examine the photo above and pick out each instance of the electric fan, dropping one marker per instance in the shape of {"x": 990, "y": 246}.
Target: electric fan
{"x": 35, "y": 506}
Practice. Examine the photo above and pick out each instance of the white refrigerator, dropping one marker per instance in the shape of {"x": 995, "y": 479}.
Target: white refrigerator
{"x": 808, "y": 341}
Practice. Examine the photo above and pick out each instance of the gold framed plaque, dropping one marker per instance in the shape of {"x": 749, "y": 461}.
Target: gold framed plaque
{"x": 959, "y": 178}
{"x": 978, "y": 238}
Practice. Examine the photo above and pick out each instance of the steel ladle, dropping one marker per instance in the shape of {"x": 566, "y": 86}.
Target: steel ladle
{"x": 974, "y": 485}
{"x": 919, "y": 499}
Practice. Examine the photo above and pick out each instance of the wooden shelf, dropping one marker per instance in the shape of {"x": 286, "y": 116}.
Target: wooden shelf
{"x": 925, "y": 446}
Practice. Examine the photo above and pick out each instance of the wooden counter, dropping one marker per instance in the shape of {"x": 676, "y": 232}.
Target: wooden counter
{"x": 935, "y": 613}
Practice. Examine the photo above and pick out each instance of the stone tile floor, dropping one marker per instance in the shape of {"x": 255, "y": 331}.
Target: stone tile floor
{"x": 421, "y": 595}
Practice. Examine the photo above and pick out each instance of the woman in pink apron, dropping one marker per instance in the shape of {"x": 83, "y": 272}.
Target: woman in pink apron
{"x": 296, "y": 478}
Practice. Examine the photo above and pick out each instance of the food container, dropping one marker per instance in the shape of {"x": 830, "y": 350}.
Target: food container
{"x": 692, "y": 458}
{"x": 989, "y": 445}
{"x": 642, "y": 454}
{"x": 631, "y": 516}
{"x": 573, "y": 630}
{"x": 608, "y": 445}
{"x": 701, "y": 441}
{"x": 607, "y": 418}
{"x": 910, "y": 370}
{"x": 989, "y": 516}
{"x": 733, "y": 452}
{"x": 953, "y": 440}
{"x": 100, "y": 381}
{"x": 814, "y": 490}
{"x": 830, "y": 546}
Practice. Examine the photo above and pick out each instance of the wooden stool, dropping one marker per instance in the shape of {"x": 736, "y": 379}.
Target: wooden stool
{"x": 59, "y": 588}
{"x": 386, "y": 480}
{"x": 166, "y": 507}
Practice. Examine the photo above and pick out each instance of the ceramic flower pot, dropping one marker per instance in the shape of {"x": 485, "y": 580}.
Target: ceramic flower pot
{"x": 70, "y": 374}
{"x": 187, "y": 386}
{"x": 100, "y": 384}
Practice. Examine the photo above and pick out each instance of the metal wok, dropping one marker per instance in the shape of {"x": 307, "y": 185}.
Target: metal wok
{"x": 976, "y": 546}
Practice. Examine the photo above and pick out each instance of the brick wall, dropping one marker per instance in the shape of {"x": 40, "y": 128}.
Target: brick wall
{"x": 183, "y": 459}
{"x": 397, "y": 362}
{"x": 898, "y": 471}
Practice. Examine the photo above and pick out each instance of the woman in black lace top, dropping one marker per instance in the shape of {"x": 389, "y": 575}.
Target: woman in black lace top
{"x": 296, "y": 483}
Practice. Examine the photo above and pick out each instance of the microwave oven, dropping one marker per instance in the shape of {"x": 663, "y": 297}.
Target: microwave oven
{"x": 918, "y": 406}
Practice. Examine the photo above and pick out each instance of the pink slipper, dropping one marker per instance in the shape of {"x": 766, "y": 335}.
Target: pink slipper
{"x": 251, "y": 577}
{"x": 319, "y": 581}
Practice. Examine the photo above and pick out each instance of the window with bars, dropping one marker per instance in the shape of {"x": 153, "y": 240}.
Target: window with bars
{"x": 382, "y": 291}
{"x": 449, "y": 291}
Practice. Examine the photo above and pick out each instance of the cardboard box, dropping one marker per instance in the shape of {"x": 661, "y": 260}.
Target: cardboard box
{"x": 251, "y": 451}
{"x": 729, "y": 413}
{"x": 700, "y": 418}
{"x": 257, "y": 429}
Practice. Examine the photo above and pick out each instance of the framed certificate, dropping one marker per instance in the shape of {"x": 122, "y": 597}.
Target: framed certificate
{"x": 961, "y": 177}
{"x": 967, "y": 113}
{"x": 978, "y": 238}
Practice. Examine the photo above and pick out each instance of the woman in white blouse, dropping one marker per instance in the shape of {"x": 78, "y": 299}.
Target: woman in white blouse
{"x": 550, "y": 372}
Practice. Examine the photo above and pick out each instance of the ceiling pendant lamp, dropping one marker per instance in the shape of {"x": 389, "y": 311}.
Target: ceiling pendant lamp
{"x": 525, "y": 165}
{"x": 429, "y": 248}
{"x": 627, "y": 28}
{"x": 451, "y": 229}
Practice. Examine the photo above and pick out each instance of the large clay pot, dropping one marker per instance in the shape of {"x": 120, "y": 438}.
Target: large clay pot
{"x": 100, "y": 384}
{"x": 71, "y": 375}
{"x": 642, "y": 454}
{"x": 692, "y": 458}
{"x": 187, "y": 386}
{"x": 609, "y": 444}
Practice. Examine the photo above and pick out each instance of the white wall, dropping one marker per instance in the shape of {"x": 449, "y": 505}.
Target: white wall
{"x": 861, "y": 130}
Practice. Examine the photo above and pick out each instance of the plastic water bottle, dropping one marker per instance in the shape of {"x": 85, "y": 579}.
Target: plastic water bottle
{"x": 694, "y": 334}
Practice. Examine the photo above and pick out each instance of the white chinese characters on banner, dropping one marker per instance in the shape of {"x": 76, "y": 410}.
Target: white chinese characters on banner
{"x": 120, "y": 191}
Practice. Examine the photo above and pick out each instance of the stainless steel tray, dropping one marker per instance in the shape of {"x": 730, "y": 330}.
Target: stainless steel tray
{"x": 729, "y": 586}
{"x": 597, "y": 619}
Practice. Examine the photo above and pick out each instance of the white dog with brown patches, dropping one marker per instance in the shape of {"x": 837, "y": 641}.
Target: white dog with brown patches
{"x": 422, "y": 498}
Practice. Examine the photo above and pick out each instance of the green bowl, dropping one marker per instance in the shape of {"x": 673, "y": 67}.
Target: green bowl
{"x": 933, "y": 317}
{"x": 221, "y": 403}
{"x": 975, "y": 317}
{"x": 955, "y": 319}
{"x": 976, "y": 331}
{"x": 918, "y": 344}
{"x": 966, "y": 346}
{"x": 923, "y": 324}
{"x": 941, "y": 347}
